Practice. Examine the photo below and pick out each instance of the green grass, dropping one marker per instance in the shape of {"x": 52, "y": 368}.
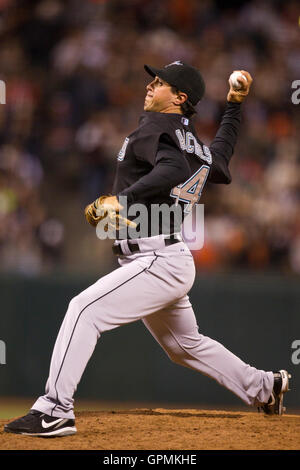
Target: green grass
{"x": 13, "y": 407}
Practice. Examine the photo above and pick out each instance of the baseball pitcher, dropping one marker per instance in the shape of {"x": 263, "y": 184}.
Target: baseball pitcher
{"x": 161, "y": 162}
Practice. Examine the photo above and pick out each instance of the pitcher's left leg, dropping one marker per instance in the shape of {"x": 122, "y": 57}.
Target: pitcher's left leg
{"x": 138, "y": 288}
{"x": 176, "y": 330}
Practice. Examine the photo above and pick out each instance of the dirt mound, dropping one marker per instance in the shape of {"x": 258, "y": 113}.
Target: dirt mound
{"x": 164, "y": 429}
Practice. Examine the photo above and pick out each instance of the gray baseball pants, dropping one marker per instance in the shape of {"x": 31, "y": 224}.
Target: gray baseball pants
{"x": 151, "y": 286}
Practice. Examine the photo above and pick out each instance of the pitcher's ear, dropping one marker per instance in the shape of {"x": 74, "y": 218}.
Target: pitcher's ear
{"x": 181, "y": 97}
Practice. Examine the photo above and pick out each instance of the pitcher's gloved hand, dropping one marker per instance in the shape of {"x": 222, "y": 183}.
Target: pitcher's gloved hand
{"x": 238, "y": 95}
{"x": 107, "y": 207}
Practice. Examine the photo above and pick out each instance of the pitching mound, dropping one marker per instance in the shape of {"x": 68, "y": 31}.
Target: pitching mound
{"x": 162, "y": 429}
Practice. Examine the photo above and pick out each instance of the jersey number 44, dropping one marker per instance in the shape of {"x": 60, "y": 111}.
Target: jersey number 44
{"x": 190, "y": 191}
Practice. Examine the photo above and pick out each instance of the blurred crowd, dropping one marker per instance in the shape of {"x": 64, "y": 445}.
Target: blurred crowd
{"x": 75, "y": 87}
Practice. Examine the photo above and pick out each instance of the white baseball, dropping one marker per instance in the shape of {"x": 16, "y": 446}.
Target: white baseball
{"x": 234, "y": 80}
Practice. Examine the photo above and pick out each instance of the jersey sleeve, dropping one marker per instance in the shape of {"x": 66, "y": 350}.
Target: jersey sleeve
{"x": 169, "y": 170}
{"x": 222, "y": 147}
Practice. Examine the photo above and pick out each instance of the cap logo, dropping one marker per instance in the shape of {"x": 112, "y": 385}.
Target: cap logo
{"x": 177, "y": 62}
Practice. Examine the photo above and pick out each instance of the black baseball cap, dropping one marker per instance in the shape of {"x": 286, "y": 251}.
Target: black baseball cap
{"x": 184, "y": 77}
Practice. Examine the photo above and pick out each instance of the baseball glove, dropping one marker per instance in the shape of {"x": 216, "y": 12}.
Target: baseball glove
{"x": 99, "y": 210}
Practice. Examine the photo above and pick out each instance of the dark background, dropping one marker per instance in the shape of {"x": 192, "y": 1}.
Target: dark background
{"x": 75, "y": 87}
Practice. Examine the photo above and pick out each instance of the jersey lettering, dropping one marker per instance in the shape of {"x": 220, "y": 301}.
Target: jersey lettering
{"x": 189, "y": 138}
{"x": 207, "y": 153}
{"x": 181, "y": 138}
{"x": 190, "y": 191}
{"x": 121, "y": 154}
{"x": 189, "y": 144}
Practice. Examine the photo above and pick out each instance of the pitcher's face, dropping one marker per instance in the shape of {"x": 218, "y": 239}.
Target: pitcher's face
{"x": 159, "y": 96}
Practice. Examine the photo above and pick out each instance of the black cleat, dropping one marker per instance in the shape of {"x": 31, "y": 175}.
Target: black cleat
{"x": 275, "y": 403}
{"x": 39, "y": 424}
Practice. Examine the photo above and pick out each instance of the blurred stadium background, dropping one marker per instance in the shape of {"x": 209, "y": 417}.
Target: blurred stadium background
{"x": 75, "y": 87}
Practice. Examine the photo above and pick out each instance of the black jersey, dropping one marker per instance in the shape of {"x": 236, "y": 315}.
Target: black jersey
{"x": 164, "y": 162}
